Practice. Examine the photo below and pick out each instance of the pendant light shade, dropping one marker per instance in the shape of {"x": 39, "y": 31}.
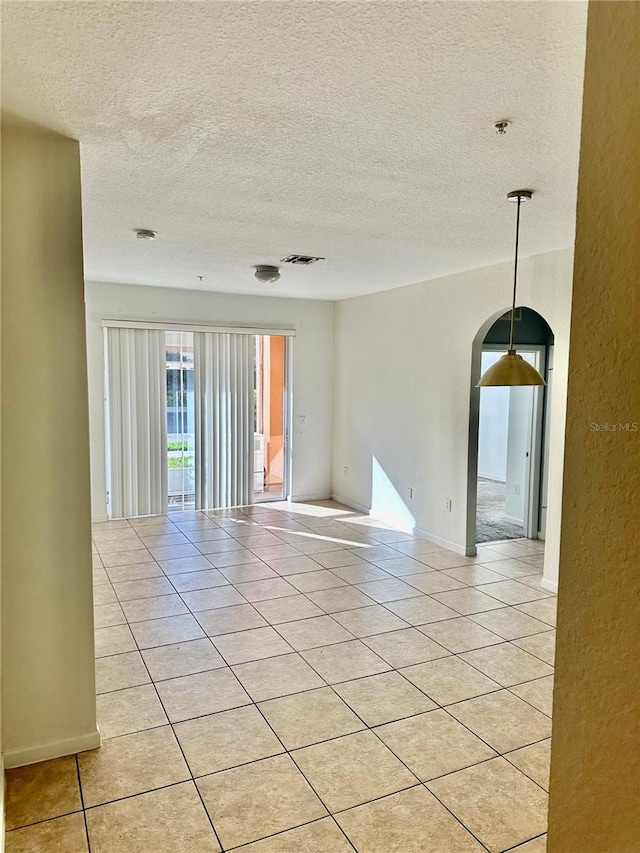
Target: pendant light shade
{"x": 512, "y": 369}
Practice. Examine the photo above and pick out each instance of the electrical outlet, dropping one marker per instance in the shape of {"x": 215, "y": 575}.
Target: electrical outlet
{"x": 516, "y": 488}
{"x": 346, "y": 471}
{"x": 303, "y": 420}
{"x": 447, "y": 504}
{"x": 410, "y": 493}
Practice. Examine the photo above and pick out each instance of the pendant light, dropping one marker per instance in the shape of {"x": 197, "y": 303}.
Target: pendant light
{"x": 512, "y": 369}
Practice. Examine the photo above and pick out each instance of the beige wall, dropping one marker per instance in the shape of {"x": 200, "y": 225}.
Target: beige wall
{"x": 2, "y": 820}
{"x": 595, "y": 763}
{"x": 48, "y": 691}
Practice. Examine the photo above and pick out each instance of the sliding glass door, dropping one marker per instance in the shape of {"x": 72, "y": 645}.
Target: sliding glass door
{"x": 185, "y": 412}
{"x": 197, "y": 419}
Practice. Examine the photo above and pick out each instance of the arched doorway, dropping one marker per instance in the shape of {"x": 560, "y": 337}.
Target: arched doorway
{"x": 508, "y": 436}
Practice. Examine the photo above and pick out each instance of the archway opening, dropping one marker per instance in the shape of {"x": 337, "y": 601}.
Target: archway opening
{"x": 508, "y": 469}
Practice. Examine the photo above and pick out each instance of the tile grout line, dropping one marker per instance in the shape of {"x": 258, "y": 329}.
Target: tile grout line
{"x": 84, "y": 811}
{"x": 332, "y": 686}
{"x": 299, "y": 826}
{"x": 295, "y": 592}
{"x": 171, "y": 725}
{"x": 379, "y": 634}
{"x": 521, "y": 844}
{"x": 299, "y": 769}
{"x": 194, "y": 614}
{"x": 438, "y": 705}
{"x": 286, "y": 752}
{"x": 371, "y": 729}
{"x": 331, "y": 616}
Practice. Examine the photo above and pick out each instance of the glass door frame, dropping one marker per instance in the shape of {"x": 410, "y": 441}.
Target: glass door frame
{"x": 184, "y": 412}
{"x": 287, "y": 415}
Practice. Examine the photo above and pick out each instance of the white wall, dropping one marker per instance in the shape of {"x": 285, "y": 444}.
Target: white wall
{"x": 403, "y": 380}
{"x": 493, "y": 426}
{"x": 312, "y": 366}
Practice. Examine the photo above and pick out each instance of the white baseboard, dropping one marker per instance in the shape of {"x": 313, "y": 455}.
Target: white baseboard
{"x": 54, "y": 749}
{"x": 423, "y": 534}
{"x": 352, "y": 504}
{"x": 97, "y": 519}
{"x": 444, "y": 543}
{"x": 519, "y": 522}
{"x": 491, "y": 477}
{"x": 320, "y": 496}
{"x": 552, "y": 586}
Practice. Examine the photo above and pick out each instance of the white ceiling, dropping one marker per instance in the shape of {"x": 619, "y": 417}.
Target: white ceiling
{"x": 359, "y": 131}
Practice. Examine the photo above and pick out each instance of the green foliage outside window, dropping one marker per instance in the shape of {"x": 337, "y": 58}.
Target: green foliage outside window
{"x": 181, "y": 461}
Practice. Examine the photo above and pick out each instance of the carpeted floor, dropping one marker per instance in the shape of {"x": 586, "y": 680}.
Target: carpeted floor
{"x": 491, "y": 525}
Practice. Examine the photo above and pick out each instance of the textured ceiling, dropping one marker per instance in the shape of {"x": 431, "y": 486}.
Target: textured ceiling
{"x": 359, "y": 131}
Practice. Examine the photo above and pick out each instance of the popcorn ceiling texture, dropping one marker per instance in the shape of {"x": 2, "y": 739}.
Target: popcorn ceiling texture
{"x": 359, "y": 131}
{"x": 595, "y": 768}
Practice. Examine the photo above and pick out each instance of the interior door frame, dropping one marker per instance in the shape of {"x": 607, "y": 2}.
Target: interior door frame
{"x": 546, "y": 439}
{"x": 533, "y": 470}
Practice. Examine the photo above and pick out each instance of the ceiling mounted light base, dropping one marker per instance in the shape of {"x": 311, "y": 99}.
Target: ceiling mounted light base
{"x": 511, "y": 369}
{"x": 519, "y": 195}
{"x": 267, "y": 274}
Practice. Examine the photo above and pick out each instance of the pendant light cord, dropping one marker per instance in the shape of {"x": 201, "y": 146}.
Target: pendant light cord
{"x": 515, "y": 277}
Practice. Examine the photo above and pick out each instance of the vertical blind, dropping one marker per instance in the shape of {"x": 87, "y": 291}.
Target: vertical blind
{"x": 224, "y": 400}
{"x": 137, "y": 406}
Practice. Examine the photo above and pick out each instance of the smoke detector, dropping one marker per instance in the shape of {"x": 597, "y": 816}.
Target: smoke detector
{"x": 267, "y": 274}
{"x": 301, "y": 260}
{"x": 145, "y": 234}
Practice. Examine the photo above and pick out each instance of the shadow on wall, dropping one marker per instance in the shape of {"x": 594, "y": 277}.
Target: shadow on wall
{"x": 386, "y": 502}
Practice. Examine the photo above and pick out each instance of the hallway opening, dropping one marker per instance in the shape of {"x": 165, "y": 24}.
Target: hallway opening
{"x": 509, "y": 438}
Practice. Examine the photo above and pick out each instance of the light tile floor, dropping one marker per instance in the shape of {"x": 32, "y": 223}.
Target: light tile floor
{"x": 299, "y": 677}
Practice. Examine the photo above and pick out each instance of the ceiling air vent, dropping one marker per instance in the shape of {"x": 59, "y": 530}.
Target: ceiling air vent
{"x": 301, "y": 260}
